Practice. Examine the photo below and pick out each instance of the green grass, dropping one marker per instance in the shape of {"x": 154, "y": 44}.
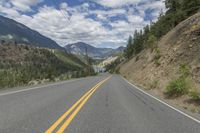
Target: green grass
{"x": 158, "y": 54}
{"x": 182, "y": 85}
{"x": 195, "y": 95}
{"x": 184, "y": 70}
{"x": 177, "y": 88}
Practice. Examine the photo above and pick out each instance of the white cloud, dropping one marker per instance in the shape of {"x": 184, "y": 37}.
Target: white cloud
{"x": 22, "y": 5}
{"x": 72, "y": 24}
{"x": 116, "y": 3}
{"x": 109, "y": 13}
{"x": 7, "y": 10}
{"x": 156, "y": 5}
{"x": 135, "y": 19}
{"x": 76, "y": 28}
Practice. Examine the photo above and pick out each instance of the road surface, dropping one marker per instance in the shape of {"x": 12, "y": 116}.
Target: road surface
{"x": 101, "y": 104}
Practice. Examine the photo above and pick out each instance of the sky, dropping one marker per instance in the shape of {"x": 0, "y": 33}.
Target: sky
{"x": 101, "y": 23}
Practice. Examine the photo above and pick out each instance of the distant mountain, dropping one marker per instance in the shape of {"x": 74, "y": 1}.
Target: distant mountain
{"x": 94, "y": 52}
{"x": 120, "y": 49}
{"x": 13, "y": 31}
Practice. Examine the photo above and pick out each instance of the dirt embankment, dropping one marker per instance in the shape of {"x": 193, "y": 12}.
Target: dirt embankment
{"x": 153, "y": 70}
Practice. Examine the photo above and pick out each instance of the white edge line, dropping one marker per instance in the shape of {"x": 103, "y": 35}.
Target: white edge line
{"x": 196, "y": 120}
{"x": 34, "y": 88}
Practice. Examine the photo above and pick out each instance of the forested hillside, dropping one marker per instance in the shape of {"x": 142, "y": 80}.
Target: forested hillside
{"x": 177, "y": 11}
{"x": 22, "y": 64}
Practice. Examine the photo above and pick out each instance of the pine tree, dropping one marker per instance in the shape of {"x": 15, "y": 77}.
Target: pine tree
{"x": 190, "y": 6}
{"x": 129, "y": 51}
{"x": 152, "y": 42}
{"x": 172, "y": 5}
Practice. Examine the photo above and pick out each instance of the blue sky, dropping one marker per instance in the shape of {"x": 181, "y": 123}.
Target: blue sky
{"x": 101, "y": 23}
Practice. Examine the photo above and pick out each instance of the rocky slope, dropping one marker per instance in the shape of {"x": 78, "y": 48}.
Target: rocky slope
{"x": 154, "y": 70}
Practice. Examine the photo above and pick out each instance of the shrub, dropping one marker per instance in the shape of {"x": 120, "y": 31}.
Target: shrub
{"x": 177, "y": 87}
{"x": 195, "y": 95}
{"x": 152, "y": 41}
{"x": 157, "y": 62}
{"x": 157, "y": 57}
{"x": 184, "y": 70}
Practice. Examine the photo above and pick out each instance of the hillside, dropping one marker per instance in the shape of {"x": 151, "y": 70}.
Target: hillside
{"x": 17, "y": 33}
{"x": 94, "y": 52}
{"x": 22, "y": 64}
{"x": 177, "y": 55}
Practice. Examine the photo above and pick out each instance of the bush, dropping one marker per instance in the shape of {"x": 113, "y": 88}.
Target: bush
{"x": 157, "y": 57}
{"x": 184, "y": 70}
{"x": 195, "y": 95}
{"x": 152, "y": 42}
{"x": 177, "y": 87}
{"x": 157, "y": 62}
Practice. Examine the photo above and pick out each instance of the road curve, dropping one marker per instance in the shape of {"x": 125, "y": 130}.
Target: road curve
{"x": 100, "y": 104}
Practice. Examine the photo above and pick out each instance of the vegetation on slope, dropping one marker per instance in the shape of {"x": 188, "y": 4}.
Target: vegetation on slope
{"x": 112, "y": 67}
{"x": 178, "y": 10}
{"x": 21, "y": 64}
{"x": 164, "y": 57}
{"x": 179, "y": 86}
{"x": 71, "y": 59}
{"x": 148, "y": 38}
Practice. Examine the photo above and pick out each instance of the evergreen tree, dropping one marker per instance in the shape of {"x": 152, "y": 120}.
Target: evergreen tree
{"x": 152, "y": 42}
{"x": 129, "y": 51}
{"x": 172, "y": 5}
{"x": 190, "y": 6}
{"x": 177, "y": 11}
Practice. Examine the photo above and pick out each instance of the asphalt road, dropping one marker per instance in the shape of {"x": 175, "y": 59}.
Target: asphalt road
{"x": 90, "y": 105}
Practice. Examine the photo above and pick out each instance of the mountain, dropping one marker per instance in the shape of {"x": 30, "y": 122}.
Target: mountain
{"x": 120, "y": 49}
{"x": 13, "y": 31}
{"x": 23, "y": 64}
{"x": 79, "y": 49}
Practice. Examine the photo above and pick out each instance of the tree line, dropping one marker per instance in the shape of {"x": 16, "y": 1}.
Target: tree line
{"x": 177, "y": 11}
{"x": 35, "y": 64}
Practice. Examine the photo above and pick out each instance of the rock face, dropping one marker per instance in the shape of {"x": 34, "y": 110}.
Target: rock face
{"x": 17, "y": 33}
{"x": 95, "y": 53}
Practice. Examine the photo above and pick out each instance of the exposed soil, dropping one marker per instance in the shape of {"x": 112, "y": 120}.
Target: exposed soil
{"x": 181, "y": 46}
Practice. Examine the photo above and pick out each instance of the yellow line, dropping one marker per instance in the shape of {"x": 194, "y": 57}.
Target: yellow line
{"x": 50, "y": 130}
{"x": 71, "y": 117}
{"x": 53, "y": 127}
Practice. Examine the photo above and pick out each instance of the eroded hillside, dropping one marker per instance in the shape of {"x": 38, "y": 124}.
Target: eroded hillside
{"x": 177, "y": 51}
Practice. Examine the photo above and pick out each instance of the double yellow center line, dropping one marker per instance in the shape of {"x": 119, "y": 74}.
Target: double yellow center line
{"x": 74, "y": 110}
